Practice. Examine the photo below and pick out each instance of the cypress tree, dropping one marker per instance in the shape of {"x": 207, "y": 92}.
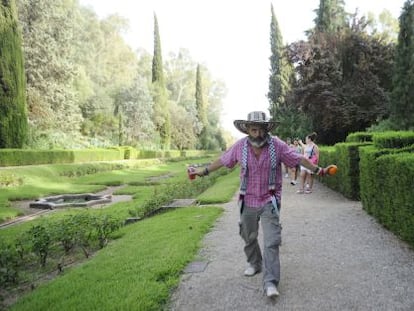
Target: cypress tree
{"x": 281, "y": 71}
{"x": 201, "y": 107}
{"x": 157, "y": 67}
{"x": 162, "y": 118}
{"x": 13, "y": 113}
{"x": 331, "y": 16}
{"x": 402, "y": 96}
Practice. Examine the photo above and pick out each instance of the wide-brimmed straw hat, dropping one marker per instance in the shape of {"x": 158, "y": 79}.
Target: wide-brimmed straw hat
{"x": 255, "y": 118}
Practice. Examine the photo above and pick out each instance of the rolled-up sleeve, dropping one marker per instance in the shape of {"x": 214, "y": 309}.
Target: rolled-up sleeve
{"x": 233, "y": 155}
{"x": 288, "y": 155}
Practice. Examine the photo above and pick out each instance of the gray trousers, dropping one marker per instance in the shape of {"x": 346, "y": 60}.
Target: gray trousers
{"x": 249, "y": 231}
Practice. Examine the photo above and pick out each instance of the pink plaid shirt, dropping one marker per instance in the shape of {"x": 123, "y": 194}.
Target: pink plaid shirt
{"x": 257, "y": 192}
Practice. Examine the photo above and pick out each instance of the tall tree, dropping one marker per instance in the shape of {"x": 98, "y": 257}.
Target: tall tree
{"x": 181, "y": 135}
{"x": 331, "y": 16}
{"x": 180, "y": 71}
{"x": 385, "y": 28}
{"x": 280, "y": 80}
{"x": 340, "y": 86}
{"x": 181, "y": 80}
{"x": 48, "y": 32}
{"x": 280, "y": 69}
{"x": 13, "y": 115}
{"x": 106, "y": 67}
{"x": 134, "y": 104}
{"x": 161, "y": 107}
{"x": 402, "y": 103}
{"x": 201, "y": 106}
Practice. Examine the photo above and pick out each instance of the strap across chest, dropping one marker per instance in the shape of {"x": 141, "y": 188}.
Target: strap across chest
{"x": 245, "y": 169}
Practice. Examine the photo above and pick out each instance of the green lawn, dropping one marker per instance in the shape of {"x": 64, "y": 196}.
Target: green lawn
{"x": 135, "y": 272}
{"x": 33, "y": 182}
{"x": 140, "y": 267}
{"x": 223, "y": 190}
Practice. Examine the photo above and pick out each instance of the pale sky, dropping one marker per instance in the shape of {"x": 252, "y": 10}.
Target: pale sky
{"x": 231, "y": 38}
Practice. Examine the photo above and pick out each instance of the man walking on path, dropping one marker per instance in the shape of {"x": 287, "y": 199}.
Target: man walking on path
{"x": 260, "y": 156}
{"x": 335, "y": 257}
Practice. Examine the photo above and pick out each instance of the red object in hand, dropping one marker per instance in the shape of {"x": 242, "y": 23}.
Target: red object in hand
{"x": 191, "y": 173}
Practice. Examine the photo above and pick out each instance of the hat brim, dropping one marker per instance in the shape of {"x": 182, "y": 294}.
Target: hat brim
{"x": 242, "y": 125}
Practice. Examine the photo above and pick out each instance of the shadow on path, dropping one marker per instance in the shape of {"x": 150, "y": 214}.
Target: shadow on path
{"x": 334, "y": 257}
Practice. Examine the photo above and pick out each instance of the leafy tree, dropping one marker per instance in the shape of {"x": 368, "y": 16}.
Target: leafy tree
{"x": 144, "y": 65}
{"x": 76, "y": 64}
{"x": 181, "y": 79}
{"x": 340, "y": 87}
{"x": 110, "y": 67}
{"x": 181, "y": 135}
{"x": 48, "y": 31}
{"x": 181, "y": 84}
{"x": 402, "y": 103}
{"x": 161, "y": 110}
{"x": 13, "y": 114}
{"x": 135, "y": 105}
{"x": 81, "y": 77}
{"x": 100, "y": 128}
{"x": 384, "y": 28}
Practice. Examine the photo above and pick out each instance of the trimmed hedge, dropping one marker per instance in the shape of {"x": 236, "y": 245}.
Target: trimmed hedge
{"x": 92, "y": 155}
{"x": 327, "y": 156}
{"x": 347, "y": 177}
{"x": 17, "y": 157}
{"x": 395, "y": 190}
{"x": 393, "y": 139}
{"x": 359, "y": 137}
{"x": 370, "y": 173}
{"x": 380, "y": 174}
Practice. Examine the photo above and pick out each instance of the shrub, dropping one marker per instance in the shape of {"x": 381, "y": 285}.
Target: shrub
{"x": 9, "y": 263}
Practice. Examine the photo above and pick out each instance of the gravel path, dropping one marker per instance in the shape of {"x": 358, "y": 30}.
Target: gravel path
{"x": 334, "y": 257}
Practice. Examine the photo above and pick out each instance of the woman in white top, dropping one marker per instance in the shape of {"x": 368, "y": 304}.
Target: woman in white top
{"x": 311, "y": 151}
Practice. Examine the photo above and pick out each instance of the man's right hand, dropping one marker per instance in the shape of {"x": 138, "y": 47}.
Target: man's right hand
{"x": 329, "y": 170}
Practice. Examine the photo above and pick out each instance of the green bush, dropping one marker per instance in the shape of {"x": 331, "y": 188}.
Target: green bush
{"x": 9, "y": 262}
{"x": 347, "y": 155}
{"x": 370, "y": 177}
{"x": 165, "y": 193}
{"x": 16, "y": 157}
{"x": 49, "y": 242}
{"x": 359, "y": 137}
{"x": 40, "y": 241}
{"x": 393, "y": 139}
{"x": 9, "y": 180}
{"x": 91, "y": 155}
{"x": 327, "y": 156}
{"x": 396, "y": 194}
